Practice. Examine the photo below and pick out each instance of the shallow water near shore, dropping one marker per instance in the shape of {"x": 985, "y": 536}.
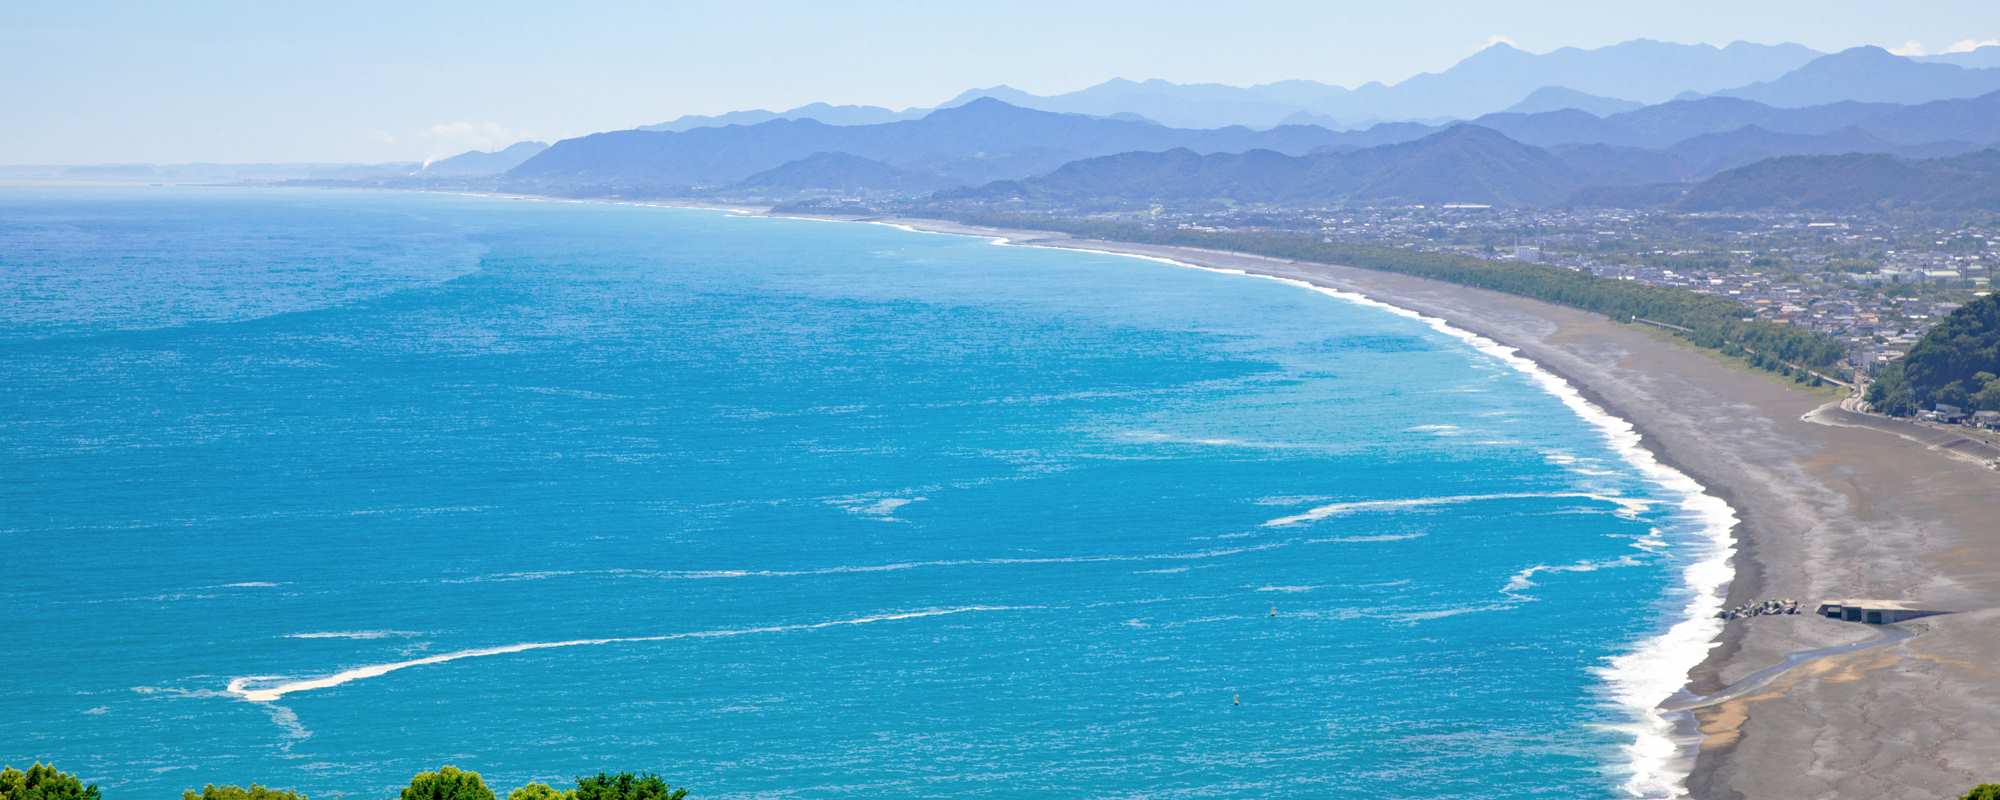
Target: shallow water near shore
{"x": 326, "y": 488}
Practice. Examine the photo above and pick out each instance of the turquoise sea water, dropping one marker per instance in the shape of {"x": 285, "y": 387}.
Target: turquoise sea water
{"x": 319, "y": 489}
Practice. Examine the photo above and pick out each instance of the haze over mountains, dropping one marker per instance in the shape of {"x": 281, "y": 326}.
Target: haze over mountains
{"x": 977, "y": 142}
{"x": 1636, "y": 123}
{"x": 1499, "y": 78}
{"x": 990, "y": 151}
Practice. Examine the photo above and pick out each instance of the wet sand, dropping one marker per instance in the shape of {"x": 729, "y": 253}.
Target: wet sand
{"x": 1833, "y": 504}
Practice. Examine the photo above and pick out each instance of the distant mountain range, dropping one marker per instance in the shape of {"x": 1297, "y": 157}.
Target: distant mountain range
{"x": 974, "y": 143}
{"x": 1501, "y": 78}
{"x": 820, "y": 112}
{"x": 1463, "y": 163}
{"x": 988, "y": 140}
{"x": 1474, "y": 164}
{"x": 1869, "y": 74}
{"x": 1494, "y": 79}
{"x": 1639, "y": 123}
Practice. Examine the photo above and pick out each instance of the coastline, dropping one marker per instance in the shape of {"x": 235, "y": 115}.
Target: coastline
{"x": 1825, "y": 507}
{"x": 1831, "y": 503}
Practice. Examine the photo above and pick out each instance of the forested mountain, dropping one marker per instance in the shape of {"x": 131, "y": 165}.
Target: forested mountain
{"x": 1854, "y": 181}
{"x": 479, "y": 163}
{"x": 1473, "y": 164}
{"x": 1463, "y": 163}
{"x": 1955, "y": 363}
{"x": 836, "y": 173}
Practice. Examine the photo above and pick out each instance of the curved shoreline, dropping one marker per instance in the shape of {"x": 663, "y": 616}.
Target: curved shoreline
{"x": 1660, "y": 757}
{"x": 1825, "y": 510}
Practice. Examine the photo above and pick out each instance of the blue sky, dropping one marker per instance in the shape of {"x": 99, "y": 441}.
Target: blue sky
{"x": 88, "y": 81}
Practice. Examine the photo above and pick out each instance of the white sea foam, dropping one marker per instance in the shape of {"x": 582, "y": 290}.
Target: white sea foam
{"x": 1414, "y": 617}
{"x": 1517, "y": 586}
{"x": 1289, "y": 589}
{"x": 875, "y": 507}
{"x": 1625, "y": 504}
{"x": 353, "y": 635}
{"x": 266, "y": 688}
{"x": 1655, "y": 668}
{"x": 1366, "y": 537}
{"x": 1439, "y": 429}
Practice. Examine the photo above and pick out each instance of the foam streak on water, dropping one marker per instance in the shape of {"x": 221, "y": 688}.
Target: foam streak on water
{"x": 254, "y": 689}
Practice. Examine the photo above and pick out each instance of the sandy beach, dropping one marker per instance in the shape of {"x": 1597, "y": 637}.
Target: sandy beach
{"x": 1833, "y": 504}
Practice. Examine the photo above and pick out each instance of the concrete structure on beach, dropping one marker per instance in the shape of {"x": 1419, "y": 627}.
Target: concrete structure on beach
{"x": 1872, "y": 612}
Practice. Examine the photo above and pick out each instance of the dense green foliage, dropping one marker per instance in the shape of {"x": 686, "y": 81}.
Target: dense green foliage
{"x": 539, "y": 791}
{"x": 1984, "y": 791}
{"x": 43, "y": 782}
{"x": 1956, "y": 363}
{"x": 625, "y": 786}
{"x": 255, "y": 792}
{"x": 1707, "y": 320}
{"x": 447, "y": 783}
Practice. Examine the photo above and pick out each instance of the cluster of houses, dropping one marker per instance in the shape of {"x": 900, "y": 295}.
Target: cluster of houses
{"x": 1955, "y": 415}
{"x": 1877, "y": 283}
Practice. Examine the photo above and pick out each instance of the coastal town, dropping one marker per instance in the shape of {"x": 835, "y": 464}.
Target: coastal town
{"x": 1875, "y": 282}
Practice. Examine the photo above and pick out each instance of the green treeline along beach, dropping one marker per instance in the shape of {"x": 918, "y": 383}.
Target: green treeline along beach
{"x": 1708, "y": 321}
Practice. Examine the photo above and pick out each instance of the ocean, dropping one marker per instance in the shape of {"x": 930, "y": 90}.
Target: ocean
{"x": 319, "y": 489}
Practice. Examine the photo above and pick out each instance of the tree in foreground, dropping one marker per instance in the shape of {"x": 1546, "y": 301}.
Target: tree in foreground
{"x": 44, "y": 782}
{"x": 447, "y": 783}
{"x": 255, "y": 792}
{"x": 1984, "y": 791}
{"x": 625, "y": 786}
{"x": 539, "y": 791}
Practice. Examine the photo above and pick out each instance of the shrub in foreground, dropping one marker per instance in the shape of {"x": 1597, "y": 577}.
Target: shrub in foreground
{"x": 625, "y": 786}
{"x": 1984, "y": 791}
{"x": 44, "y": 782}
{"x": 447, "y": 783}
{"x": 255, "y": 792}
{"x": 539, "y": 791}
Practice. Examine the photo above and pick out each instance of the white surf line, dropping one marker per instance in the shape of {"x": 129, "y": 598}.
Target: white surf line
{"x": 1625, "y": 504}
{"x": 242, "y": 687}
{"x": 1656, "y": 668}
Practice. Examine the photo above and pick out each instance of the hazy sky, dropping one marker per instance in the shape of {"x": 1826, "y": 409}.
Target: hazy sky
{"x": 357, "y": 80}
